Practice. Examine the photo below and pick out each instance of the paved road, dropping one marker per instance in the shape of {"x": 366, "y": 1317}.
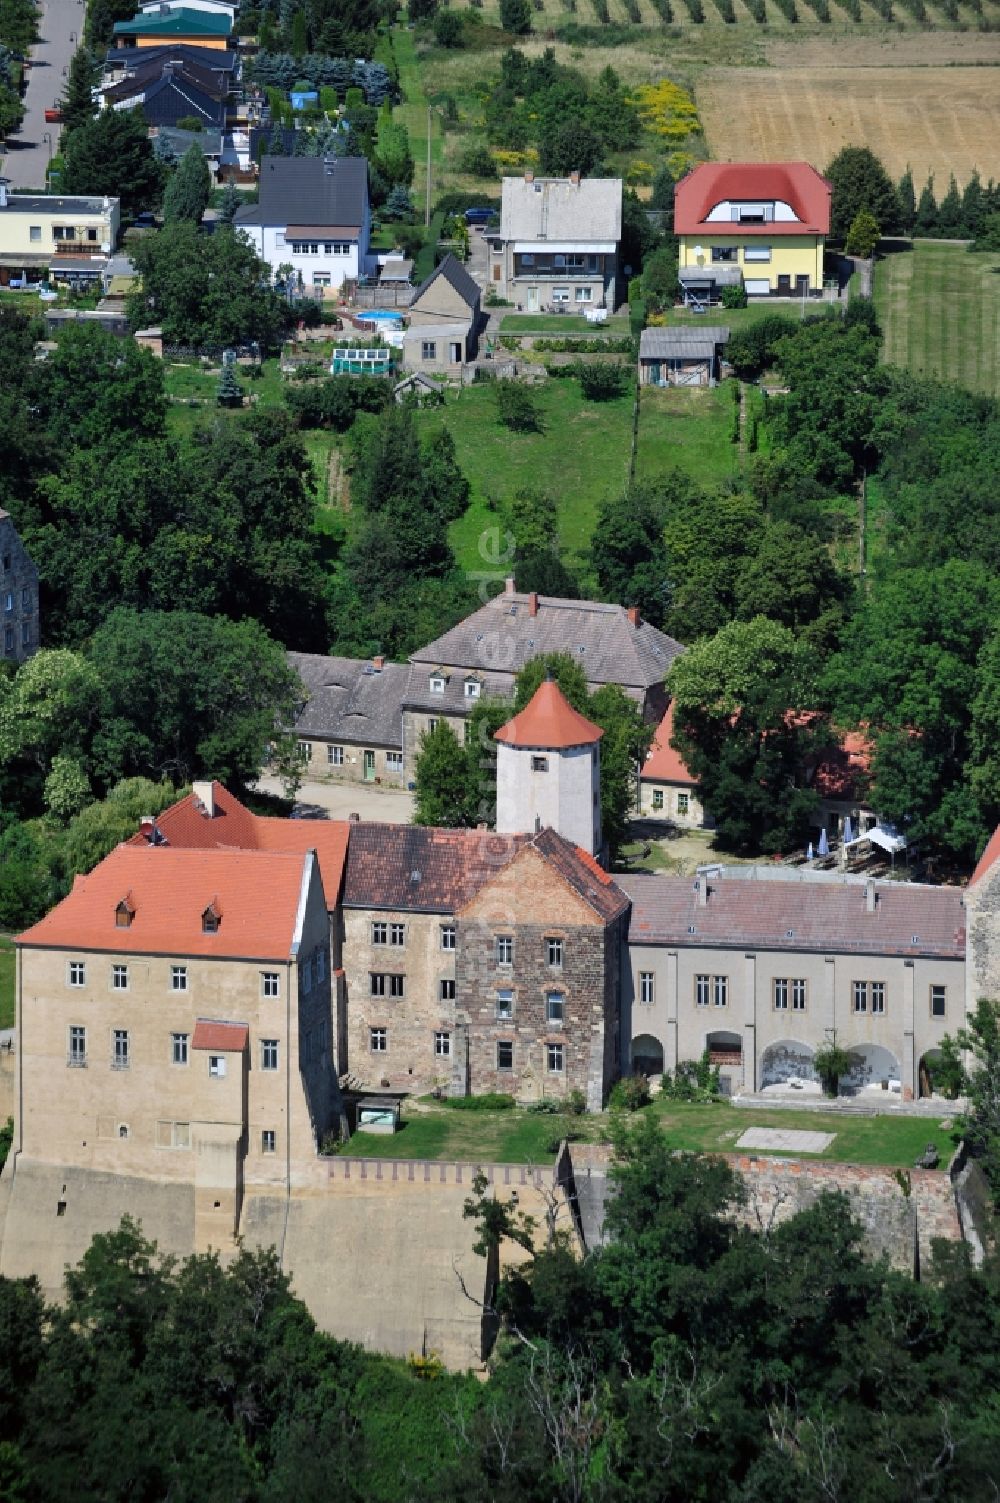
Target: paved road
{"x": 27, "y": 153}
{"x": 338, "y": 800}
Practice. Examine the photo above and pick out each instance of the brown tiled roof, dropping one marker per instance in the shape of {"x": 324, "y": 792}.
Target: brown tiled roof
{"x": 988, "y": 859}
{"x": 909, "y": 920}
{"x": 421, "y": 869}
{"x": 233, "y": 827}
{"x": 548, "y": 720}
{"x": 223, "y": 1037}
{"x": 587, "y": 878}
{"x": 256, "y": 892}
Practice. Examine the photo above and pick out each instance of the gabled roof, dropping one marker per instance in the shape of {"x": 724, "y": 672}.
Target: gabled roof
{"x": 349, "y": 699}
{"x": 711, "y": 183}
{"x": 186, "y": 71}
{"x": 686, "y": 341}
{"x": 988, "y": 859}
{"x": 583, "y": 873}
{"x": 454, "y": 273}
{"x": 231, "y": 826}
{"x": 560, "y": 210}
{"x": 171, "y": 97}
{"x": 909, "y": 920}
{"x": 257, "y": 892}
{"x": 549, "y": 721}
{"x": 419, "y": 869}
{"x": 663, "y": 764}
{"x": 214, "y": 59}
{"x": 310, "y": 190}
{"x": 186, "y": 23}
{"x": 503, "y": 635}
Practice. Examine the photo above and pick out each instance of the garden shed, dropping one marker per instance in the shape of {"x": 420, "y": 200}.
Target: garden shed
{"x": 687, "y": 355}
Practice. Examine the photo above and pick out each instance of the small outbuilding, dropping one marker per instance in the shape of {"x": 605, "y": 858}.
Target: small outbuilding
{"x": 686, "y": 355}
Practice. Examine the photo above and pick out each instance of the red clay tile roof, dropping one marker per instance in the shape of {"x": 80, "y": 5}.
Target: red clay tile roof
{"x": 221, "y": 1037}
{"x": 420, "y": 869}
{"x": 257, "y": 893}
{"x": 550, "y": 722}
{"x": 587, "y": 878}
{"x": 988, "y": 859}
{"x": 909, "y": 919}
{"x": 664, "y": 764}
{"x": 232, "y": 826}
{"x": 843, "y": 771}
{"x": 711, "y": 183}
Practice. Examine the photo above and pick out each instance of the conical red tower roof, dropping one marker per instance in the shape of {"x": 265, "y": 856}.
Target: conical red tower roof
{"x": 549, "y": 722}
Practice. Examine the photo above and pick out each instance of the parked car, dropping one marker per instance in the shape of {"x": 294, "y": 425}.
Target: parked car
{"x": 53, "y": 117}
{"x": 145, "y": 221}
{"x": 479, "y": 216}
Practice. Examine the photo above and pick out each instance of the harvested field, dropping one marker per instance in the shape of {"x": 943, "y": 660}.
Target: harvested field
{"x": 939, "y": 307}
{"x": 932, "y": 119}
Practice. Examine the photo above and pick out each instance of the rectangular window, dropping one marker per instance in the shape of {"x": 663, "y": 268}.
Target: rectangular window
{"x": 77, "y": 973}
{"x": 756, "y": 253}
{"x": 173, "y": 1135}
{"x": 270, "y": 984}
{"x": 442, "y": 1045}
{"x": 554, "y": 953}
{"x": 682, "y": 804}
{"x": 555, "y": 1007}
{"x": 878, "y": 996}
{"x": 35, "y": 232}
{"x": 724, "y": 253}
{"x": 269, "y": 1054}
{"x": 380, "y": 932}
{"x": 505, "y": 949}
{"x": 320, "y": 966}
{"x": 25, "y": 634}
{"x": 428, "y": 349}
{"x": 432, "y": 725}
{"x": 305, "y": 751}
{"x": 394, "y": 761}
{"x": 799, "y": 994}
{"x": 781, "y": 993}
{"x": 720, "y": 990}
{"x": 447, "y": 989}
{"x": 939, "y": 998}
{"x": 178, "y": 978}
{"x": 583, "y": 294}
{"x": 307, "y": 976}
{"x": 646, "y": 992}
{"x": 268, "y": 1140}
{"x": 473, "y": 688}
{"x": 119, "y": 978}
{"x": 397, "y": 934}
{"x": 119, "y": 1048}
{"x": 384, "y": 984}
{"x": 554, "y": 1058}
{"x": 77, "y": 1045}
{"x": 437, "y": 684}
{"x": 8, "y": 601}
{"x": 505, "y": 1054}
{"x": 335, "y": 756}
{"x": 448, "y": 936}
{"x": 25, "y": 598}
{"x": 505, "y": 1004}
{"x": 217, "y": 1066}
{"x": 701, "y": 987}
{"x": 560, "y": 294}
{"x": 8, "y": 639}
{"x": 378, "y": 1039}
{"x": 657, "y": 798}
{"x": 397, "y": 986}
{"x": 179, "y": 1048}
{"x": 539, "y": 764}
{"x": 861, "y": 996}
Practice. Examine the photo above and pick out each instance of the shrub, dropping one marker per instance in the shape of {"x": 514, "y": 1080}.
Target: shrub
{"x": 693, "y": 1080}
{"x": 476, "y": 159}
{"x": 695, "y": 10}
{"x": 576, "y": 1103}
{"x": 490, "y": 1101}
{"x": 515, "y": 16}
{"x": 752, "y": 348}
{"x": 516, "y": 407}
{"x": 547, "y": 1107}
{"x": 602, "y": 381}
{"x": 787, "y": 8}
{"x": 631, "y": 1093}
{"x": 820, "y": 9}
{"x": 831, "y": 1063}
{"x": 725, "y": 9}
{"x": 633, "y": 12}
{"x": 757, "y": 10}
{"x": 448, "y": 29}
{"x": 664, "y": 11}
{"x": 734, "y": 297}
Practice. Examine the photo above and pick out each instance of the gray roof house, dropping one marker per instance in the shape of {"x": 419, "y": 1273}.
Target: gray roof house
{"x": 686, "y": 355}
{"x": 313, "y": 213}
{"x": 558, "y": 242}
{"x": 350, "y": 721}
{"x": 443, "y": 321}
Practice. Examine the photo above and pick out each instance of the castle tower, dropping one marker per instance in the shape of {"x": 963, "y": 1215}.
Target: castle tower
{"x": 549, "y": 770}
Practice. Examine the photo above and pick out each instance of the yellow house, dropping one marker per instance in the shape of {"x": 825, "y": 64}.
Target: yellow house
{"x": 762, "y": 225}
{"x": 35, "y": 227}
{"x": 179, "y": 27}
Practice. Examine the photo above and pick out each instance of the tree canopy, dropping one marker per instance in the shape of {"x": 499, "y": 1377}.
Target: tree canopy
{"x": 205, "y": 290}
{"x": 861, "y": 183}
{"x": 112, "y": 154}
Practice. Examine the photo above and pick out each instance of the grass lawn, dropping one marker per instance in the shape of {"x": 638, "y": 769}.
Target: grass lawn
{"x": 188, "y": 383}
{"x": 7, "y": 1007}
{"x": 688, "y": 428}
{"x": 518, "y": 1137}
{"x": 561, "y": 323}
{"x": 412, "y": 113}
{"x": 581, "y": 455}
{"x": 737, "y": 318}
{"x": 939, "y": 307}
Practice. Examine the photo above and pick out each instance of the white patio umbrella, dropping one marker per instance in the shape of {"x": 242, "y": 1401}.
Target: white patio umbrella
{"x": 824, "y": 844}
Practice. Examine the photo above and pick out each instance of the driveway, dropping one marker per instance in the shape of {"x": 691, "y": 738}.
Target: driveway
{"x": 27, "y": 154}
{"x": 338, "y": 800}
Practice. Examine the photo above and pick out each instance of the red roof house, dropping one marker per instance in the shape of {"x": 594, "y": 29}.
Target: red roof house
{"x": 699, "y": 195}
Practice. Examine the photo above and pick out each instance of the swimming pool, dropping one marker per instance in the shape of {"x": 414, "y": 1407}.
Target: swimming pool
{"x": 391, "y": 316}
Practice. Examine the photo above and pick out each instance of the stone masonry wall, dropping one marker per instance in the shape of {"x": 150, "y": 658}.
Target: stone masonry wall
{"x": 19, "y": 623}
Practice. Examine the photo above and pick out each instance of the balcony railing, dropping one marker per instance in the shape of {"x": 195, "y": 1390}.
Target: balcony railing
{"x": 78, "y": 247}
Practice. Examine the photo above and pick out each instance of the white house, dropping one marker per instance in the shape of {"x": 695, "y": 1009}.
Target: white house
{"x": 313, "y": 214}
{"x": 558, "y": 242}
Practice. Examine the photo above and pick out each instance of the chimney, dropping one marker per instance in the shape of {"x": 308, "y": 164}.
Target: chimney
{"x": 147, "y": 823}
{"x": 508, "y": 585}
{"x": 378, "y": 663}
{"x": 871, "y": 897}
{"x": 203, "y": 793}
{"x": 633, "y": 616}
{"x": 533, "y": 603}
{"x": 354, "y": 819}
{"x": 529, "y": 177}
{"x": 702, "y": 889}
{"x": 4, "y": 185}
{"x": 574, "y": 178}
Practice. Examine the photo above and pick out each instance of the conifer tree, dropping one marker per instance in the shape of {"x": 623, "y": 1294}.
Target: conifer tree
{"x": 907, "y": 202}
{"x": 974, "y": 205}
{"x": 925, "y": 222}
{"x": 230, "y": 203}
{"x": 189, "y": 188}
{"x": 78, "y": 101}
{"x": 950, "y": 220}
{"x": 229, "y": 392}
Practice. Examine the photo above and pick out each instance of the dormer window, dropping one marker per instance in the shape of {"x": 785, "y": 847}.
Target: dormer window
{"x": 437, "y": 683}
{"x": 124, "y": 914}
{"x": 473, "y": 688}
{"x": 211, "y": 918}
